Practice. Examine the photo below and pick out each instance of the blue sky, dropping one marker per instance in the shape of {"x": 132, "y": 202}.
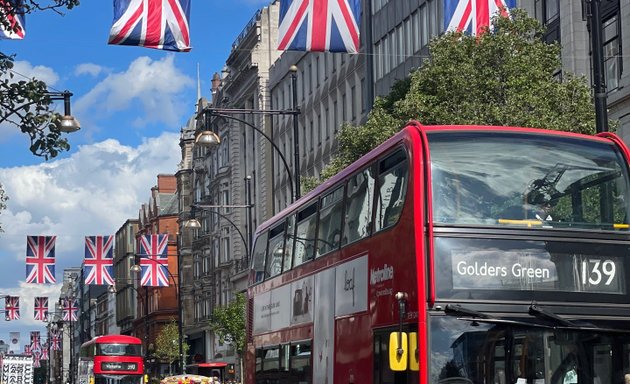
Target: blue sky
{"x": 131, "y": 102}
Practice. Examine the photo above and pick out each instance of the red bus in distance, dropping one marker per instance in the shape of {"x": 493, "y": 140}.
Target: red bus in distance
{"x": 111, "y": 359}
{"x": 451, "y": 255}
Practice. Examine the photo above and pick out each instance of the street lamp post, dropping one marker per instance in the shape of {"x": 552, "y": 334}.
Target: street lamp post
{"x": 136, "y": 268}
{"x": 207, "y": 137}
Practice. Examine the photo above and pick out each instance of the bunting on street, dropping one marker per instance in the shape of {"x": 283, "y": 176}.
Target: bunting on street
{"x": 473, "y": 16}
{"x": 45, "y": 348}
{"x": 98, "y": 265}
{"x": 55, "y": 340}
{"x": 13, "y": 25}
{"x": 41, "y": 308}
{"x": 319, "y": 25}
{"x": 40, "y": 259}
{"x": 70, "y": 310}
{"x": 154, "y": 260}
{"x": 158, "y": 24}
{"x": 12, "y": 308}
{"x": 27, "y": 350}
{"x": 37, "y": 358}
{"x": 35, "y": 342}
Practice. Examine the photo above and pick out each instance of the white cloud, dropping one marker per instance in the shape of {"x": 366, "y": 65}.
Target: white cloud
{"x": 89, "y": 69}
{"x": 156, "y": 86}
{"x": 25, "y": 71}
{"x": 93, "y": 192}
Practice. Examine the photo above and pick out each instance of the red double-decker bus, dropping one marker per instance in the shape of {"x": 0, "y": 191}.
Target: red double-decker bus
{"x": 111, "y": 359}
{"x": 451, "y": 254}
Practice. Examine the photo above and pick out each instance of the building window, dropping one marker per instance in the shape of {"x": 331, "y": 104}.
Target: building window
{"x": 612, "y": 59}
{"x": 353, "y": 103}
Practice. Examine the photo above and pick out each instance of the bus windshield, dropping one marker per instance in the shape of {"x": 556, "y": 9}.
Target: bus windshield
{"x": 466, "y": 352}
{"x": 118, "y": 350}
{"x": 525, "y": 179}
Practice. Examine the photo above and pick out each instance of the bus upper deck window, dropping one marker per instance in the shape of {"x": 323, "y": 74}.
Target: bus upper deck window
{"x": 275, "y": 252}
{"x": 305, "y": 234}
{"x": 329, "y": 230}
{"x": 358, "y": 218}
{"x": 258, "y": 258}
{"x": 392, "y": 181}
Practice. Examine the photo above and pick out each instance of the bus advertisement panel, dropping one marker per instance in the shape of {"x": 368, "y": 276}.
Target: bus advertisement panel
{"x": 451, "y": 254}
{"x": 111, "y": 359}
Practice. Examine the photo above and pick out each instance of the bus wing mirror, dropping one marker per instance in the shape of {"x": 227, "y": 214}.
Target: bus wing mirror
{"x": 398, "y": 351}
{"x": 414, "y": 361}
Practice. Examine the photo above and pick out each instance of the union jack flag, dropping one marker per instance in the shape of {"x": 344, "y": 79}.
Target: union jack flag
{"x": 158, "y": 24}
{"x": 36, "y": 359}
{"x": 40, "y": 259}
{"x": 13, "y": 15}
{"x": 12, "y": 307}
{"x": 99, "y": 260}
{"x": 44, "y": 352}
{"x": 35, "y": 342}
{"x": 55, "y": 340}
{"x": 41, "y": 308}
{"x": 70, "y": 310}
{"x": 154, "y": 260}
{"x": 27, "y": 350}
{"x": 319, "y": 25}
{"x": 473, "y": 15}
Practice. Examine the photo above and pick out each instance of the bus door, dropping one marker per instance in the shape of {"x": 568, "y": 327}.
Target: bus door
{"x": 383, "y": 373}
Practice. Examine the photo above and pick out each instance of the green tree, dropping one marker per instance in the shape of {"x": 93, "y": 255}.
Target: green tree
{"x": 167, "y": 344}
{"x": 506, "y": 76}
{"x": 228, "y": 323}
{"x": 24, "y": 103}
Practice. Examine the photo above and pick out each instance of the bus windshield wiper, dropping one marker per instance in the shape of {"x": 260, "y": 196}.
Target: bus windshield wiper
{"x": 564, "y": 324}
{"x": 543, "y": 314}
{"x": 458, "y": 310}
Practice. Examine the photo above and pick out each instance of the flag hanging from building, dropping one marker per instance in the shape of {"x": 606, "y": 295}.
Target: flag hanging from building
{"x": 12, "y": 308}
{"x": 27, "y": 350}
{"x": 35, "y": 342}
{"x": 158, "y": 24}
{"x": 13, "y": 16}
{"x": 473, "y": 16}
{"x": 55, "y": 340}
{"x": 98, "y": 265}
{"x": 154, "y": 260}
{"x": 41, "y": 308}
{"x": 319, "y": 25}
{"x": 36, "y": 358}
{"x": 40, "y": 259}
{"x": 70, "y": 310}
{"x": 45, "y": 351}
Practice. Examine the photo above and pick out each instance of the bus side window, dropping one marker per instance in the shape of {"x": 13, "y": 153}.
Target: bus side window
{"x": 305, "y": 235}
{"x": 360, "y": 195}
{"x": 258, "y": 258}
{"x": 273, "y": 266}
{"x": 287, "y": 263}
{"x": 392, "y": 181}
{"x": 329, "y": 232}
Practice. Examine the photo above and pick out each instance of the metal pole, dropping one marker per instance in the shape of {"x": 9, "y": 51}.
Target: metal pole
{"x": 296, "y": 143}
{"x": 601, "y": 109}
{"x": 146, "y": 324}
{"x": 182, "y": 363}
{"x": 250, "y": 223}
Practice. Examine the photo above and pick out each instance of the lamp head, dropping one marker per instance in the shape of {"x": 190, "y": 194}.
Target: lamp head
{"x": 111, "y": 289}
{"x": 135, "y": 268}
{"x": 69, "y": 124}
{"x": 207, "y": 138}
{"x": 192, "y": 223}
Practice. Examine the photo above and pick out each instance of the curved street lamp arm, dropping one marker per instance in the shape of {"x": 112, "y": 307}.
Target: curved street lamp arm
{"x": 240, "y": 233}
{"x": 284, "y": 160}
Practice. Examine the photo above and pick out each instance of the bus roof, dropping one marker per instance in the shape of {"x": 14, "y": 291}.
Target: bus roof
{"x": 114, "y": 339}
{"x": 392, "y": 141}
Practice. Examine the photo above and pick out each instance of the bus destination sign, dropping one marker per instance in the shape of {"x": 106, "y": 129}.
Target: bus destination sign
{"x": 536, "y": 269}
